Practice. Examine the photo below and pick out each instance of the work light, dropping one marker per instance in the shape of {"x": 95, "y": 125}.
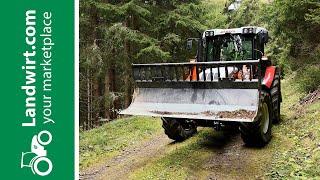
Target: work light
{"x": 248, "y": 30}
{"x": 209, "y": 33}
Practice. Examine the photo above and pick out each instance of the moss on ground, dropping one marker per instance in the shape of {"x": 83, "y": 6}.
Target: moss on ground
{"x": 99, "y": 144}
{"x": 181, "y": 160}
{"x": 297, "y": 137}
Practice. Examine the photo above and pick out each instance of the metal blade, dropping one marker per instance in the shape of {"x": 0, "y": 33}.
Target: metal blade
{"x": 211, "y": 104}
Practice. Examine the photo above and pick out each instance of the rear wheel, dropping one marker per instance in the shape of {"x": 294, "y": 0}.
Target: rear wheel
{"x": 178, "y": 129}
{"x": 259, "y": 133}
{"x": 275, "y": 93}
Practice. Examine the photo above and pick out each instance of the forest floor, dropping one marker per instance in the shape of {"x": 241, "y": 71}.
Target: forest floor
{"x": 137, "y": 148}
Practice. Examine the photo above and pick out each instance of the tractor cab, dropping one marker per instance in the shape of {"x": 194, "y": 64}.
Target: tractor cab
{"x": 246, "y": 43}
{"x": 238, "y": 44}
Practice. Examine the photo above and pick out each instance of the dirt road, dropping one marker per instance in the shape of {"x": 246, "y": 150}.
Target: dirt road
{"x": 224, "y": 156}
{"x": 128, "y": 161}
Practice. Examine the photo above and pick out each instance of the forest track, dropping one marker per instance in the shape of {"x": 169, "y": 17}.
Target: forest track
{"x": 237, "y": 162}
{"x": 227, "y": 158}
{"x": 126, "y": 162}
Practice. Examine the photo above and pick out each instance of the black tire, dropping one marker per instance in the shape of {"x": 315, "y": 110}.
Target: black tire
{"x": 275, "y": 92}
{"x": 178, "y": 130}
{"x": 258, "y": 133}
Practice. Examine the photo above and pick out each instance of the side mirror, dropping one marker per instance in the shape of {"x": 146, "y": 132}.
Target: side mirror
{"x": 263, "y": 37}
{"x": 189, "y": 44}
{"x": 266, "y": 37}
{"x": 260, "y": 37}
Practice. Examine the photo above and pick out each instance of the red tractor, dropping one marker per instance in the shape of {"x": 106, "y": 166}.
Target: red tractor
{"x": 230, "y": 84}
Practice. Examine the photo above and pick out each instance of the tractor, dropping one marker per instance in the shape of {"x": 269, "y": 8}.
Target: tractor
{"x": 38, "y": 155}
{"x": 230, "y": 85}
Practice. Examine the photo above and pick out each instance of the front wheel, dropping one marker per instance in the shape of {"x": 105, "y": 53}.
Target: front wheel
{"x": 178, "y": 129}
{"x": 259, "y": 133}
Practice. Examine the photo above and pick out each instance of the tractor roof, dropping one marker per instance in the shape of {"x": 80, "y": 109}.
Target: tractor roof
{"x": 242, "y": 30}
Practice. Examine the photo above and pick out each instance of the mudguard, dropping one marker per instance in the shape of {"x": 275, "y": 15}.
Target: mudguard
{"x": 269, "y": 76}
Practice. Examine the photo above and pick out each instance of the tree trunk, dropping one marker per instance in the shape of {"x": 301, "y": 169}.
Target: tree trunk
{"x": 128, "y": 88}
{"x": 116, "y": 89}
{"x": 96, "y": 90}
{"x": 127, "y": 66}
{"x": 107, "y": 86}
{"x": 94, "y": 22}
{"x": 87, "y": 124}
{"x": 96, "y": 96}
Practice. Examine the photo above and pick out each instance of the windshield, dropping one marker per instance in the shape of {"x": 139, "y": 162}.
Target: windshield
{"x": 229, "y": 48}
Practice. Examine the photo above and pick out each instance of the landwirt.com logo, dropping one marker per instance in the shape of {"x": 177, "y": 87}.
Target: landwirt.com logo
{"x": 37, "y": 159}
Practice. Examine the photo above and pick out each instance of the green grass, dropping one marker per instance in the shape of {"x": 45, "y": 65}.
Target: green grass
{"x": 297, "y": 137}
{"x": 104, "y": 142}
{"x": 309, "y": 78}
{"x": 183, "y": 159}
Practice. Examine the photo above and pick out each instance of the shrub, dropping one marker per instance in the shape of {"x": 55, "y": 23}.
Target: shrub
{"x": 309, "y": 78}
